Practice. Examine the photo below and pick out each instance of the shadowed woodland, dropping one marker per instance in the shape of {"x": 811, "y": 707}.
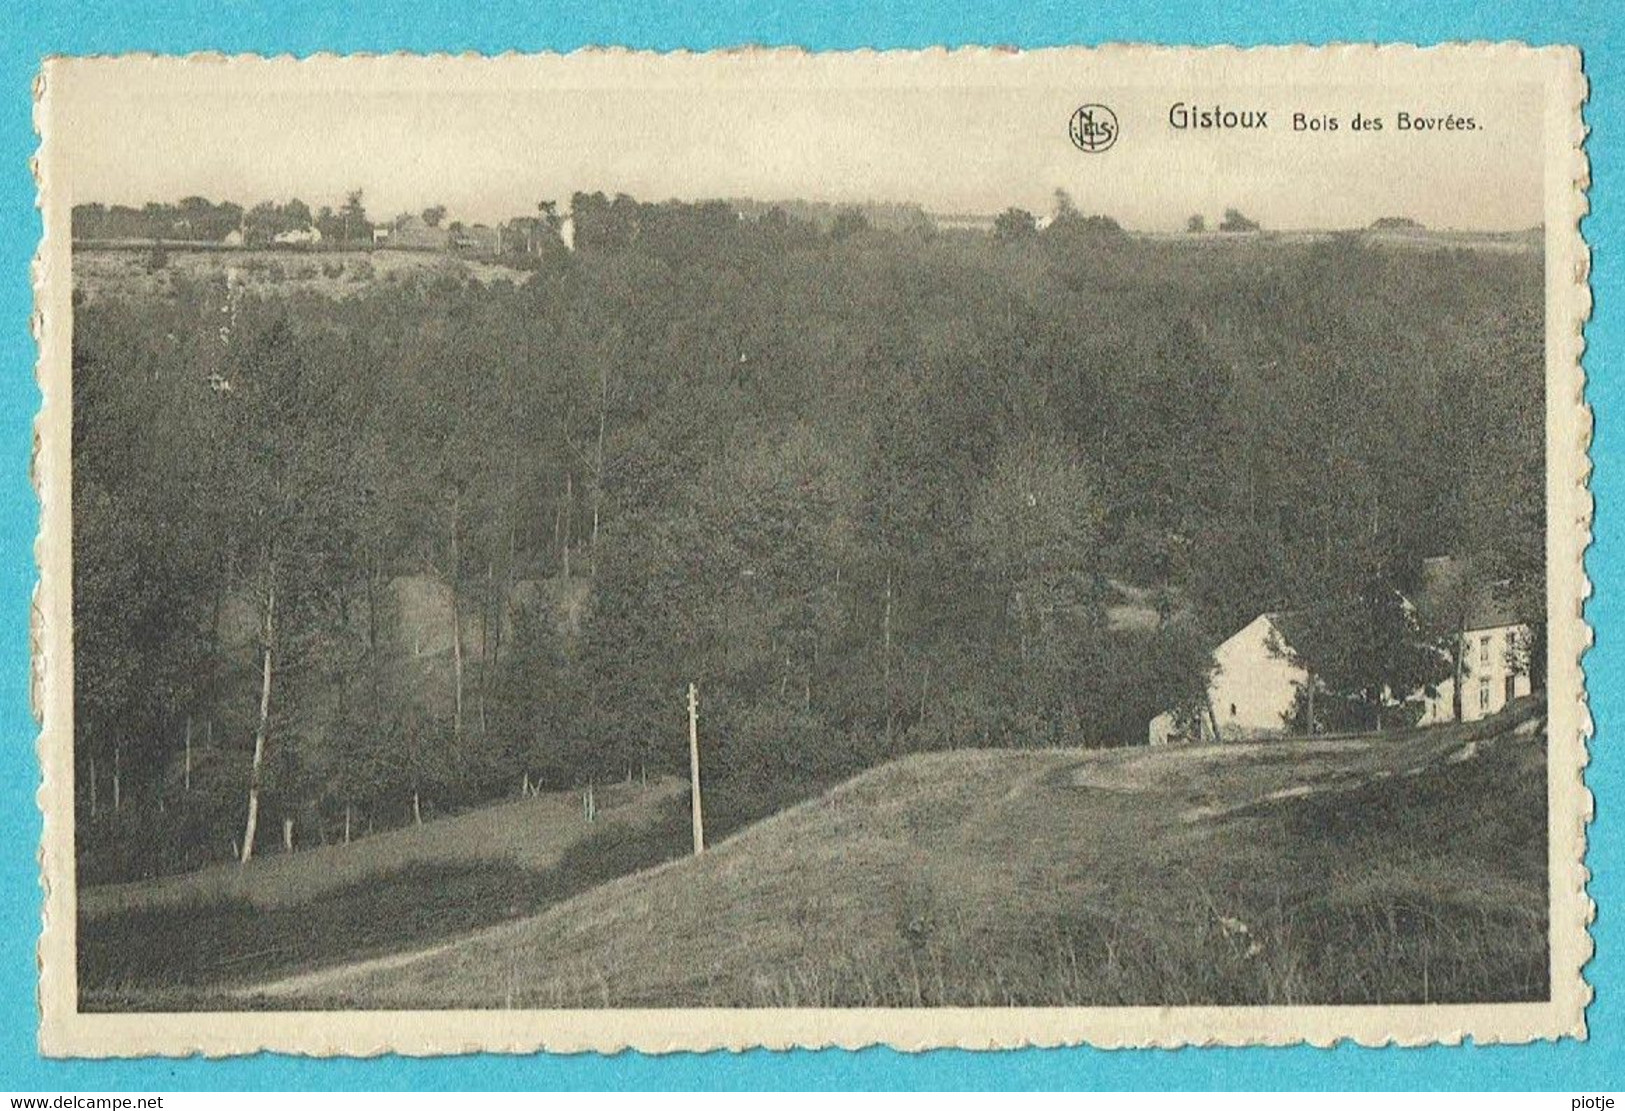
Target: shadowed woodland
{"x": 341, "y": 565}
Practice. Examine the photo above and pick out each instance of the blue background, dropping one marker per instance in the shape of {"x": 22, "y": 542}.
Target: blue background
{"x": 42, "y": 27}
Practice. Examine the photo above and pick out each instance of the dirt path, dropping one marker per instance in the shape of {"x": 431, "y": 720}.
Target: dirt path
{"x": 1225, "y": 779}
{"x": 307, "y": 983}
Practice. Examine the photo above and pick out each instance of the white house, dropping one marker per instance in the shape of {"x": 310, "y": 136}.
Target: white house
{"x": 1255, "y": 682}
{"x": 1492, "y": 662}
{"x": 1249, "y": 694}
{"x": 298, "y": 237}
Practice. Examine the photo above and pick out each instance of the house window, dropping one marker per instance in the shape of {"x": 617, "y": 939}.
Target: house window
{"x": 1483, "y": 650}
{"x": 1484, "y": 694}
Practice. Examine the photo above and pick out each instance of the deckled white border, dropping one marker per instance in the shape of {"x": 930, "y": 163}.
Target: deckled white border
{"x": 64, "y": 1032}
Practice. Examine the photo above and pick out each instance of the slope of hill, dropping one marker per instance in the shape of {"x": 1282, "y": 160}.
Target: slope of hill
{"x": 531, "y": 833}
{"x": 1400, "y": 867}
{"x": 184, "y": 941}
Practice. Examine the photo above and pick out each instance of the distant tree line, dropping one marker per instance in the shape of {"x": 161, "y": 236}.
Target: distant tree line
{"x": 343, "y": 564}
{"x": 197, "y": 219}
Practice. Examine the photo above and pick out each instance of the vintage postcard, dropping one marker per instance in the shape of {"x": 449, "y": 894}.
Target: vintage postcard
{"x": 957, "y": 548}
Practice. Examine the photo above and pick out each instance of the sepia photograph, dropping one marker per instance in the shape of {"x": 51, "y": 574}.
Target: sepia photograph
{"x": 960, "y": 548}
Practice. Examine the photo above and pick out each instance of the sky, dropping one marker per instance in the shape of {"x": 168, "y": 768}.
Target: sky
{"x": 953, "y": 133}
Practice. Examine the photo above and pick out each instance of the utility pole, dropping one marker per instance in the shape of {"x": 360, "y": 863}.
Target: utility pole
{"x": 694, "y": 766}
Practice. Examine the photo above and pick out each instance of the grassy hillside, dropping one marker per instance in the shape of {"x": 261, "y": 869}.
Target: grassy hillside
{"x": 532, "y": 833}
{"x": 1399, "y": 867}
{"x": 183, "y": 940}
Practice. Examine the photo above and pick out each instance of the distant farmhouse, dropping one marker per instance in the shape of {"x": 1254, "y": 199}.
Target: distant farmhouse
{"x": 297, "y": 237}
{"x": 1493, "y": 642}
{"x": 1253, "y": 690}
{"x": 481, "y": 239}
{"x": 1250, "y": 693}
{"x": 414, "y": 233}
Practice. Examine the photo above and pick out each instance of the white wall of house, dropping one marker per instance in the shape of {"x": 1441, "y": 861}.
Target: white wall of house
{"x": 1251, "y": 691}
{"x": 1491, "y": 679}
{"x": 1253, "y": 688}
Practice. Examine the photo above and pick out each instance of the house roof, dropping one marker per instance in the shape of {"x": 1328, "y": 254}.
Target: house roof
{"x": 1290, "y": 624}
{"x": 413, "y": 232}
{"x": 1454, "y": 592}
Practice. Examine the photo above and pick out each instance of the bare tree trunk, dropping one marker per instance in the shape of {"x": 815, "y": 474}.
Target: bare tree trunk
{"x": 186, "y": 768}
{"x": 569, "y": 515}
{"x": 1021, "y": 625}
{"x": 456, "y": 617}
{"x": 485, "y": 643}
{"x": 264, "y": 726}
{"x": 417, "y": 809}
{"x": 117, "y": 795}
{"x": 598, "y": 476}
{"x": 507, "y": 583}
{"x": 93, "y": 786}
{"x": 558, "y": 531}
{"x": 346, "y": 823}
{"x": 694, "y": 767}
{"x": 372, "y": 602}
{"x": 1311, "y": 703}
{"x": 885, "y": 654}
{"x": 485, "y": 622}
{"x": 1457, "y": 698}
{"x": 287, "y": 834}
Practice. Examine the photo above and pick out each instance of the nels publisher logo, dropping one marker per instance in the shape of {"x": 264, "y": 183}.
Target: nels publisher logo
{"x": 1093, "y": 128}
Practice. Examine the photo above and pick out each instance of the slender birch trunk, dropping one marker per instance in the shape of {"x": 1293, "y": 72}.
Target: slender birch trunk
{"x": 1457, "y": 698}
{"x": 485, "y": 643}
{"x": 456, "y": 617}
{"x": 372, "y": 603}
{"x": 569, "y": 513}
{"x": 694, "y": 767}
{"x": 598, "y": 476}
{"x": 264, "y": 726}
{"x": 885, "y": 655}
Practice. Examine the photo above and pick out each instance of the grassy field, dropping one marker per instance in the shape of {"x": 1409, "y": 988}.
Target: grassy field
{"x": 531, "y": 834}
{"x": 1405, "y": 867}
{"x": 184, "y": 940}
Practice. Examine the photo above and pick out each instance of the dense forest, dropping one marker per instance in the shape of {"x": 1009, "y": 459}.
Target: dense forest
{"x": 340, "y": 564}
